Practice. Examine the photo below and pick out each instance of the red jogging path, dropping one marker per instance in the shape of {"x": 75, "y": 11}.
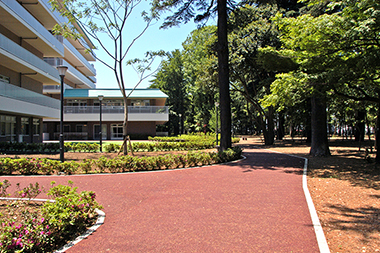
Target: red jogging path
{"x": 253, "y": 205}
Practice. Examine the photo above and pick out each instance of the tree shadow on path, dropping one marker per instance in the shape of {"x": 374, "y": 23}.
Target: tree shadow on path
{"x": 266, "y": 160}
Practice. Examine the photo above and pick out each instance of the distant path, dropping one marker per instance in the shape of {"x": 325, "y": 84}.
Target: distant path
{"x": 254, "y": 205}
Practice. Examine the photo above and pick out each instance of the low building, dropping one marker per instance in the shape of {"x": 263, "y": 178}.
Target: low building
{"x": 146, "y": 110}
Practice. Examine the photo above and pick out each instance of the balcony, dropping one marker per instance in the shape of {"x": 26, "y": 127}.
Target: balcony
{"x": 77, "y": 77}
{"x": 116, "y": 113}
{"x": 55, "y": 89}
{"x": 21, "y": 60}
{"x": 42, "y": 11}
{"x": 77, "y": 59}
{"x": 72, "y": 74}
{"x": 116, "y": 109}
{"x": 19, "y": 21}
{"x": 19, "y": 100}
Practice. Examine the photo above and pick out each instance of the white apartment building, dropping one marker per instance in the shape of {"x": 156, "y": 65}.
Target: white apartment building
{"x": 29, "y": 80}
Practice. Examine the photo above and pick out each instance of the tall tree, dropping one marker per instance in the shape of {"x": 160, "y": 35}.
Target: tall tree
{"x": 106, "y": 23}
{"x": 186, "y": 11}
{"x": 251, "y": 28}
{"x": 198, "y": 55}
{"x": 170, "y": 79}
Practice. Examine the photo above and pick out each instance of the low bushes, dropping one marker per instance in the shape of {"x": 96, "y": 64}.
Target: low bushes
{"x": 120, "y": 164}
{"x": 27, "y": 148}
{"x": 46, "y": 227}
{"x": 183, "y": 142}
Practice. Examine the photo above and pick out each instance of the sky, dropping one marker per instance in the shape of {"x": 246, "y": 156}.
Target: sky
{"x": 154, "y": 39}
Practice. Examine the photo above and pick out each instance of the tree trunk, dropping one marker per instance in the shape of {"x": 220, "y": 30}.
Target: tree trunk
{"x": 223, "y": 75}
{"x": 319, "y": 140}
{"x": 269, "y": 128}
{"x": 125, "y": 127}
{"x": 360, "y": 125}
{"x": 377, "y": 134}
{"x": 281, "y": 127}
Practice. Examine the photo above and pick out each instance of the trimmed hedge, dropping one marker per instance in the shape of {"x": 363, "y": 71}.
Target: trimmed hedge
{"x": 45, "y": 166}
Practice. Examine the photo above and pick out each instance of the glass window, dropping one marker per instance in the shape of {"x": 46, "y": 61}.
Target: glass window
{"x": 25, "y": 126}
{"x": 140, "y": 102}
{"x": 76, "y": 102}
{"x": 2, "y": 125}
{"x": 117, "y": 131}
{"x": 97, "y": 131}
{"x": 81, "y": 128}
{"x": 66, "y": 128}
{"x": 8, "y": 126}
{"x": 36, "y": 126}
{"x": 114, "y": 102}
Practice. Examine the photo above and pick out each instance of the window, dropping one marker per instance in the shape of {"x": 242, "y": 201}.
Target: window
{"x": 2, "y": 125}
{"x": 140, "y": 102}
{"x": 97, "y": 131}
{"x": 66, "y": 128}
{"x": 114, "y": 102}
{"x": 25, "y": 126}
{"x": 116, "y": 131}
{"x": 4, "y": 79}
{"x": 81, "y": 128}
{"x": 76, "y": 102}
{"x": 8, "y": 126}
{"x": 36, "y": 126}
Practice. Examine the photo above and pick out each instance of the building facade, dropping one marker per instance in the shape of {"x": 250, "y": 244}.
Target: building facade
{"x": 29, "y": 80}
{"x": 146, "y": 110}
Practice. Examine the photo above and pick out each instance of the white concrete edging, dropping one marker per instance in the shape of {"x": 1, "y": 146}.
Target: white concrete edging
{"x": 321, "y": 239}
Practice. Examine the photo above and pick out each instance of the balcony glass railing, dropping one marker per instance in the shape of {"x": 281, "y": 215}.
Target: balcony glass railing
{"x": 22, "y": 54}
{"x": 27, "y": 19}
{"x": 11, "y": 91}
{"x": 62, "y": 20}
{"x": 78, "y": 75}
{"x": 55, "y": 88}
{"x": 75, "y": 52}
{"x": 116, "y": 109}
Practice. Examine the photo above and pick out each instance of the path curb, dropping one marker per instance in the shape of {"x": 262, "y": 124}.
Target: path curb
{"x": 321, "y": 239}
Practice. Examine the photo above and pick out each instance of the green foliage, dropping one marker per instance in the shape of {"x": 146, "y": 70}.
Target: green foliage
{"x": 29, "y": 192}
{"x": 122, "y": 163}
{"x": 3, "y": 188}
{"x": 68, "y": 214}
{"x": 28, "y": 148}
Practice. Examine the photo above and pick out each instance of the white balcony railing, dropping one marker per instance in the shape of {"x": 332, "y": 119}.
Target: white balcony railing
{"x": 14, "y": 92}
{"x": 29, "y": 61}
{"x": 79, "y": 58}
{"x": 116, "y": 109}
{"x": 46, "y": 43}
{"x": 77, "y": 77}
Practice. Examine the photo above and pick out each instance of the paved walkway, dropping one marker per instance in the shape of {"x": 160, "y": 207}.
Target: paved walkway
{"x": 254, "y": 205}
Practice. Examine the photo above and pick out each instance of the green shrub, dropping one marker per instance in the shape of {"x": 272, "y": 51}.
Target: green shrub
{"x": 71, "y": 213}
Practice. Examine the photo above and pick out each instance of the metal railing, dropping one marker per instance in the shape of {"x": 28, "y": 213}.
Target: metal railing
{"x": 116, "y": 109}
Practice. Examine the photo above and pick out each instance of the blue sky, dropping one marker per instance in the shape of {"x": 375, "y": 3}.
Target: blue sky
{"x": 154, "y": 39}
